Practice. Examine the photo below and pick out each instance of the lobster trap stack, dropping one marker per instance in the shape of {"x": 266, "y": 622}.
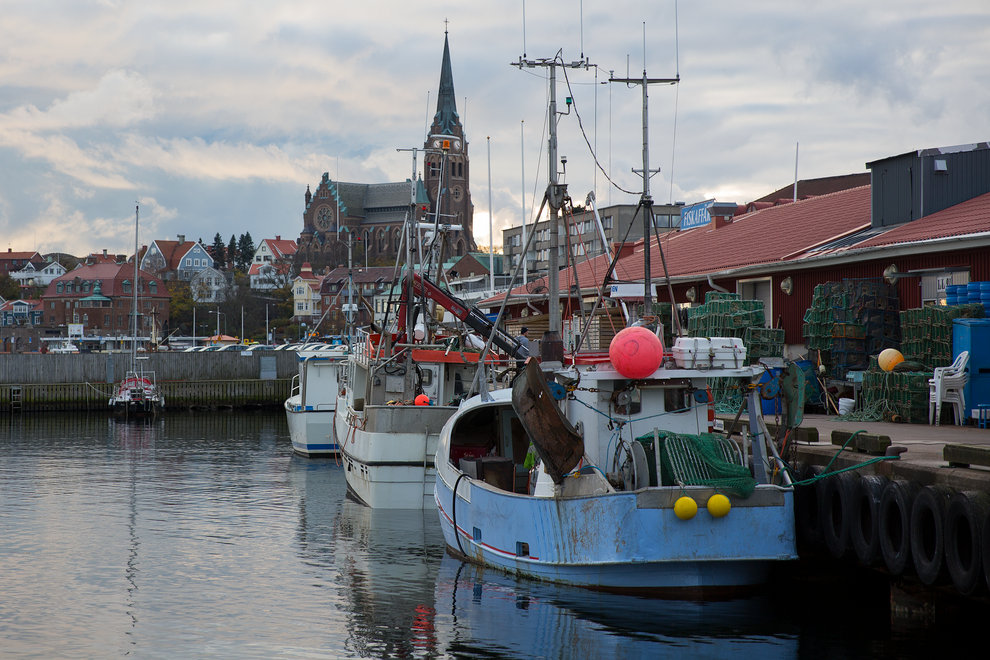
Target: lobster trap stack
{"x": 849, "y": 321}
{"x": 927, "y": 332}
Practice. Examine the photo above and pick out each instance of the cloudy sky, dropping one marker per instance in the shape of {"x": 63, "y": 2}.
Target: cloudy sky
{"x": 215, "y": 115}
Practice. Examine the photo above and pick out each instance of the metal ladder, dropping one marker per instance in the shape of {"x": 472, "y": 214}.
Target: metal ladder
{"x": 15, "y": 398}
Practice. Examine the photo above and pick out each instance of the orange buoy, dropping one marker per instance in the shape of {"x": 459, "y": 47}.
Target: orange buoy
{"x": 635, "y": 352}
{"x": 889, "y": 358}
{"x": 422, "y": 400}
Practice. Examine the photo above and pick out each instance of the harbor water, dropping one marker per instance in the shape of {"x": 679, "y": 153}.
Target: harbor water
{"x": 201, "y": 535}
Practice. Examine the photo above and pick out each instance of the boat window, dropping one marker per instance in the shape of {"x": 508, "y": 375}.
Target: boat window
{"x": 675, "y": 400}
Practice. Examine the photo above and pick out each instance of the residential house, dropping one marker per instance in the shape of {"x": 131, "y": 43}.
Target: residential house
{"x": 180, "y": 259}
{"x": 100, "y": 297}
{"x": 336, "y": 295}
{"x": 209, "y": 285}
{"x": 11, "y": 262}
{"x": 272, "y": 261}
{"x": 21, "y": 313}
{"x": 306, "y": 296}
{"x": 34, "y": 276}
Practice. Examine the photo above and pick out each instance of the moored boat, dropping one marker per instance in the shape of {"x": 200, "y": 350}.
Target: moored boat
{"x": 137, "y": 394}
{"x": 388, "y": 431}
{"x": 312, "y": 401}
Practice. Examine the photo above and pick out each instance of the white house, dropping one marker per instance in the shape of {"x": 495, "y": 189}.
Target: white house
{"x": 30, "y": 275}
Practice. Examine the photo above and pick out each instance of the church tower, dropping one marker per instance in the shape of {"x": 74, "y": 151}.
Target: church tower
{"x": 446, "y": 168}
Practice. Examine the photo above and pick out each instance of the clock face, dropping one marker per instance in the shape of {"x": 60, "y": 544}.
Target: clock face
{"x": 457, "y": 145}
{"x": 324, "y": 220}
{"x": 436, "y": 144}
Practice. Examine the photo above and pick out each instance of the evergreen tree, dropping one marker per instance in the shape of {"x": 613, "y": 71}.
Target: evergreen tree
{"x": 219, "y": 253}
{"x": 231, "y": 253}
{"x": 245, "y": 251}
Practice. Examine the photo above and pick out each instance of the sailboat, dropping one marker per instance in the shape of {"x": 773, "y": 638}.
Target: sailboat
{"x": 631, "y": 490}
{"x": 137, "y": 393}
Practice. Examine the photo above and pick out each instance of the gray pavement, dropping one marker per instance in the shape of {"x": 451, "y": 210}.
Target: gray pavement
{"x": 921, "y": 462}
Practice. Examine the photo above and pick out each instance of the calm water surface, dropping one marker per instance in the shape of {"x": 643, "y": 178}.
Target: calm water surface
{"x": 201, "y": 535}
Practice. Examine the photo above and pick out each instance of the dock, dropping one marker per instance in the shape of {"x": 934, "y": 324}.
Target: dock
{"x": 909, "y": 502}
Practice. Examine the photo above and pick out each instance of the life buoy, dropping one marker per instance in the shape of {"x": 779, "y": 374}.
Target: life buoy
{"x": 895, "y": 524}
{"x": 836, "y": 502}
{"x": 864, "y": 528}
{"x": 928, "y": 532}
{"x": 806, "y": 508}
{"x": 964, "y": 521}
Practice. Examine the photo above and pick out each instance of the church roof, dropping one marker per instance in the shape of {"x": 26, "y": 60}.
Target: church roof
{"x": 446, "y": 117}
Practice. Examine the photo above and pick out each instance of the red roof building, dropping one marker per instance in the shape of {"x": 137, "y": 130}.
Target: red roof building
{"x": 101, "y": 296}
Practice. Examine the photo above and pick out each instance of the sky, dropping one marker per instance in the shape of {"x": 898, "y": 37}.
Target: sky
{"x": 214, "y": 116}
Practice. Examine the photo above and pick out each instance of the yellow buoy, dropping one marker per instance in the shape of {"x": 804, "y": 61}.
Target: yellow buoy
{"x": 685, "y": 508}
{"x": 718, "y": 505}
{"x": 889, "y": 358}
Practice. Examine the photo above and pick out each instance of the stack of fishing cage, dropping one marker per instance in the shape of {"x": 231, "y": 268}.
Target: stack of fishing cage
{"x": 727, "y": 315}
{"x": 850, "y": 320}
{"x": 896, "y": 396}
{"x": 927, "y": 332}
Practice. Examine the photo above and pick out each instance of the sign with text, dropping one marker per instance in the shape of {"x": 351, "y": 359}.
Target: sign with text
{"x": 696, "y": 215}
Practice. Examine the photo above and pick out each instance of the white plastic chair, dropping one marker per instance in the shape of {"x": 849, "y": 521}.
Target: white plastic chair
{"x": 947, "y": 386}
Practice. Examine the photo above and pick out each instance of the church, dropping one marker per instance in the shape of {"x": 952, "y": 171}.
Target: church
{"x": 374, "y": 213}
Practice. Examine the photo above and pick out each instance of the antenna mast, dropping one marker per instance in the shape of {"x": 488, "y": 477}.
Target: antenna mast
{"x": 552, "y": 345}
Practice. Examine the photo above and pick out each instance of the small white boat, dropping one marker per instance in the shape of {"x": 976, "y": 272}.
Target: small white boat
{"x": 387, "y": 440}
{"x": 138, "y": 394}
{"x": 64, "y": 347}
{"x": 312, "y": 401}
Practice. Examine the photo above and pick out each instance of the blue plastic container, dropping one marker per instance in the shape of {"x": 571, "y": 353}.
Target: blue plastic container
{"x": 985, "y": 287}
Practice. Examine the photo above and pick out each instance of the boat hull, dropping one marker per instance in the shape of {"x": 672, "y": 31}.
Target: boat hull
{"x": 310, "y": 430}
{"x": 623, "y": 541}
{"x": 386, "y": 467}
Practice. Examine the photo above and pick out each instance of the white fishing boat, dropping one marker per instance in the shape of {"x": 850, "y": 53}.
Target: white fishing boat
{"x": 138, "y": 393}
{"x": 388, "y": 429}
{"x": 632, "y": 490}
{"x": 313, "y": 399}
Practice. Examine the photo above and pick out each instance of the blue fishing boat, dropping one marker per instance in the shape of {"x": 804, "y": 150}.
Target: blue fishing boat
{"x": 632, "y": 490}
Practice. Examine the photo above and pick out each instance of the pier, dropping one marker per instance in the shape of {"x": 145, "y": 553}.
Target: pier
{"x": 921, "y": 520}
{"x": 34, "y": 382}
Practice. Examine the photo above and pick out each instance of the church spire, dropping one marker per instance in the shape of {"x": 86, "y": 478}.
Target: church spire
{"x": 446, "y": 118}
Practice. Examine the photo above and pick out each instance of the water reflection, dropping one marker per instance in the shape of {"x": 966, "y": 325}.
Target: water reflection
{"x": 484, "y": 613}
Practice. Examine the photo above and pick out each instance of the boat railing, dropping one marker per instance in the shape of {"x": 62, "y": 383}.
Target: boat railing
{"x": 295, "y": 388}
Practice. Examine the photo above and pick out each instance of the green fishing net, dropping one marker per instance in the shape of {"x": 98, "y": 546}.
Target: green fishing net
{"x": 699, "y": 460}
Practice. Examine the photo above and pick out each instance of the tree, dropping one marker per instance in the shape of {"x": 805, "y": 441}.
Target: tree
{"x": 245, "y": 251}
{"x": 180, "y": 306}
{"x": 9, "y": 288}
{"x": 231, "y": 252}
{"x": 219, "y": 253}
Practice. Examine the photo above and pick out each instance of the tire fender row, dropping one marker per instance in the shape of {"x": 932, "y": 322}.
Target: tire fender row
{"x": 935, "y": 532}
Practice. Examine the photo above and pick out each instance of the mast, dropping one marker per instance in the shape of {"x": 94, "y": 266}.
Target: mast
{"x": 552, "y": 345}
{"x": 646, "y": 201}
{"x": 134, "y": 289}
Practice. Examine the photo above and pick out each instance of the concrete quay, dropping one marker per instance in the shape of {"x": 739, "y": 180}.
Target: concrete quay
{"x": 922, "y": 462}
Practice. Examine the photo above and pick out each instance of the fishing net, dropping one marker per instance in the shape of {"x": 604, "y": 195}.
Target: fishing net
{"x": 702, "y": 460}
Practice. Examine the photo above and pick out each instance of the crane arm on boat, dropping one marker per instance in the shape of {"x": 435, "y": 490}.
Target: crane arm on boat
{"x": 470, "y": 315}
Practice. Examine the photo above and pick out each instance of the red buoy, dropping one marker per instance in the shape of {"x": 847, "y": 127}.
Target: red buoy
{"x": 636, "y": 352}
{"x": 422, "y": 400}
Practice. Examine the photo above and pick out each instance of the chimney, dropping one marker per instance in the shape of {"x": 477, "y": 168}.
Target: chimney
{"x": 722, "y": 213}
{"x": 104, "y": 252}
{"x": 277, "y": 237}
{"x": 182, "y": 238}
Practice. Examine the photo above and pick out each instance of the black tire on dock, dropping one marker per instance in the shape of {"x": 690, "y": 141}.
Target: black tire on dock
{"x": 895, "y": 524}
{"x": 864, "y": 529}
{"x": 836, "y": 500}
{"x": 964, "y": 522}
{"x": 928, "y": 532}
{"x": 806, "y": 508}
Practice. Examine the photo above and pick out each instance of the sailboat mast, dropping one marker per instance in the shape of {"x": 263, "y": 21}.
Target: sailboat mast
{"x": 134, "y": 289}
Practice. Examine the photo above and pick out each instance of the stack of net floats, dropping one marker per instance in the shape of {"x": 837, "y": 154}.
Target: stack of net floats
{"x": 727, "y": 315}
{"x": 927, "y": 332}
{"x": 849, "y": 321}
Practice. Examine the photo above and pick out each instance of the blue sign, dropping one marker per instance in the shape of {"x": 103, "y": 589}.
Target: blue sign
{"x": 696, "y": 215}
